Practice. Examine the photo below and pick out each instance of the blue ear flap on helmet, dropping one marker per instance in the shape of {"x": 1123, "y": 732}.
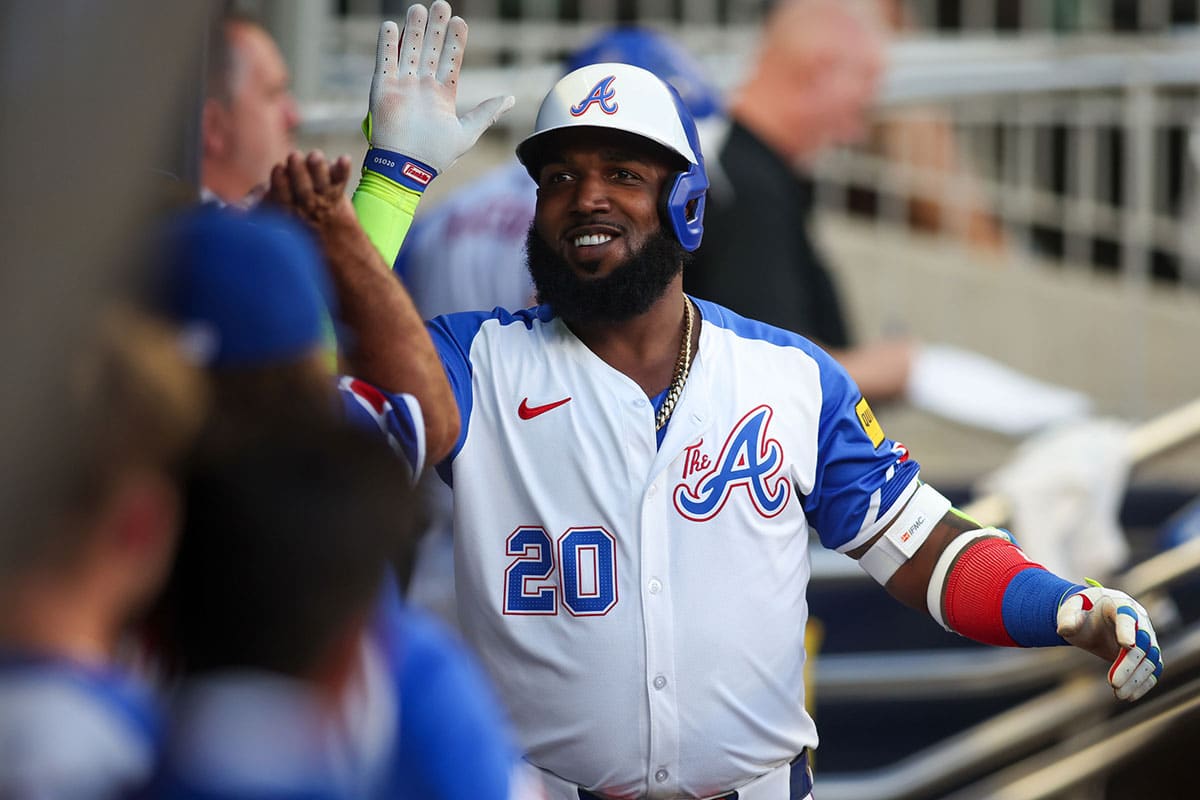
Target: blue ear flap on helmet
{"x": 685, "y": 207}
{"x": 684, "y": 204}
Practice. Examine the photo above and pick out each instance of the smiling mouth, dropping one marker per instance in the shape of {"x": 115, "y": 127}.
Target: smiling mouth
{"x": 591, "y": 239}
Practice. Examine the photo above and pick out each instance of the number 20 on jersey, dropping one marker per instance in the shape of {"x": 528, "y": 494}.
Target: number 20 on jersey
{"x": 579, "y": 571}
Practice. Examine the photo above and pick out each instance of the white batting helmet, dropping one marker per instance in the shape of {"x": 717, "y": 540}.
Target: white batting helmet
{"x": 626, "y": 98}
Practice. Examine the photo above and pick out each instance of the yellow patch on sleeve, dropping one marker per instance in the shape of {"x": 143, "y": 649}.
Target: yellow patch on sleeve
{"x": 867, "y": 418}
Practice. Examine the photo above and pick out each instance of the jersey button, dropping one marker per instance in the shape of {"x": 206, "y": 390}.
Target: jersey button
{"x": 655, "y": 586}
{"x": 661, "y": 776}
{"x": 653, "y": 489}
{"x": 659, "y": 682}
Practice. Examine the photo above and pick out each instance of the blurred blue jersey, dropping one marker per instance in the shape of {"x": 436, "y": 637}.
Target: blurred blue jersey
{"x": 419, "y": 720}
{"x": 453, "y": 741}
{"x": 73, "y": 731}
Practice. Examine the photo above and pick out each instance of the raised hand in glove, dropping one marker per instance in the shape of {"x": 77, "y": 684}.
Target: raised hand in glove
{"x": 412, "y": 124}
{"x": 1115, "y": 627}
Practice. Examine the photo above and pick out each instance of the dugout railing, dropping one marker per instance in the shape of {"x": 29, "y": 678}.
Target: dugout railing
{"x": 1093, "y": 753}
{"x": 1063, "y": 733}
{"x": 1082, "y": 149}
{"x": 1064, "y": 737}
{"x": 1074, "y": 733}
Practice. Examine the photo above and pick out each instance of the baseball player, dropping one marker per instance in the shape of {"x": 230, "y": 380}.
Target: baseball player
{"x": 469, "y": 253}
{"x": 638, "y": 472}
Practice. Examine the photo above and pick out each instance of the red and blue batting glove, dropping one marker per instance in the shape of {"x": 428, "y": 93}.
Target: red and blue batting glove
{"x": 1114, "y": 626}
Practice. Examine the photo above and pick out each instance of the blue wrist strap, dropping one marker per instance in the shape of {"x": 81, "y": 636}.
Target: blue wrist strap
{"x": 408, "y": 172}
{"x": 1030, "y": 608}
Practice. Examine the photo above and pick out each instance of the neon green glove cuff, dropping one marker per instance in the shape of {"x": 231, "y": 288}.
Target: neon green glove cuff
{"x": 385, "y": 209}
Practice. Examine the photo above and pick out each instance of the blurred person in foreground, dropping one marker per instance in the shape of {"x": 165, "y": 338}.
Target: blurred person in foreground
{"x": 76, "y": 722}
{"x": 255, "y": 301}
{"x": 249, "y": 288}
{"x": 810, "y": 88}
{"x": 249, "y": 113}
{"x": 293, "y": 682}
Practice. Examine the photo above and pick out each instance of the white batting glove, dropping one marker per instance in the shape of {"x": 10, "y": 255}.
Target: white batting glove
{"x": 412, "y": 124}
{"x": 1115, "y": 627}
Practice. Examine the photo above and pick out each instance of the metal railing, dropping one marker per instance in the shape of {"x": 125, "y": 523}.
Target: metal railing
{"x": 1060, "y": 16}
{"x": 1021, "y": 730}
{"x": 961, "y": 16}
{"x": 1097, "y": 751}
{"x": 1081, "y": 150}
{"x": 1033, "y": 724}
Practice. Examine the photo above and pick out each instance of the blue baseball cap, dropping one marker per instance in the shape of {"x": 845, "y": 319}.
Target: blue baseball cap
{"x": 247, "y": 289}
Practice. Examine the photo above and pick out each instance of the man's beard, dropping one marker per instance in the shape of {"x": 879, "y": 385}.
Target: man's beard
{"x": 627, "y": 291}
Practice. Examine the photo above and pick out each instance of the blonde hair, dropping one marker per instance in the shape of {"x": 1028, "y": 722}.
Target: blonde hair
{"x": 132, "y": 401}
{"x": 137, "y": 386}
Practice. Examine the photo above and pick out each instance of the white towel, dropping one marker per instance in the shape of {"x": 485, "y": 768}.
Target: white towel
{"x": 1065, "y": 488}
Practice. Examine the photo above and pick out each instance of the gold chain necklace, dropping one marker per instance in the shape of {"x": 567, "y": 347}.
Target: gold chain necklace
{"x": 682, "y": 367}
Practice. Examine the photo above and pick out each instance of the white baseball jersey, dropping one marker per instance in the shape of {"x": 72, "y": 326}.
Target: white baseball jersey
{"x": 642, "y": 608}
{"x": 71, "y": 731}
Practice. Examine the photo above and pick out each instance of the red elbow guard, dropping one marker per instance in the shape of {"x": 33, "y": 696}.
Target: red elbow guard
{"x": 973, "y": 599}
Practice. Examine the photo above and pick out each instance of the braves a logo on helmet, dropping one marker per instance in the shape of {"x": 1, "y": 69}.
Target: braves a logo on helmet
{"x": 748, "y": 459}
{"x": 602, "y": 94}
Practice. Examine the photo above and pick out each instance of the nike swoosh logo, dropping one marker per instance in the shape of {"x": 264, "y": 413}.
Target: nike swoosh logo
{"x": 526, "y": 411}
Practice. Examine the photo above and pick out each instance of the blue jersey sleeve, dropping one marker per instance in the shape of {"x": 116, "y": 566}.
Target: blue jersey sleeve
{"x": 863, "y": 478}
{"x": 397, "y": 417}
{"x": 453, "y": 336}
{"x": 454, "y": 740}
